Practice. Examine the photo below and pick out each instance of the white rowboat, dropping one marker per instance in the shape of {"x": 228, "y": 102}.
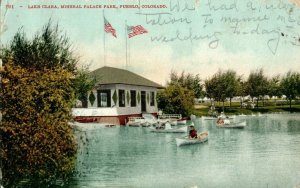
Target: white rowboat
{"x": 240, "y": 125}
{"x": 208, "y": 118}
{"x": 202, "y": 137}
{"x": 181, "y": 121}
{"x": 169, "y": 130}
{"x": 213, "y": 118}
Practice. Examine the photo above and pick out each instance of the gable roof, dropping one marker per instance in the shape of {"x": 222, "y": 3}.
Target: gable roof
{"x": 111, "y": 75}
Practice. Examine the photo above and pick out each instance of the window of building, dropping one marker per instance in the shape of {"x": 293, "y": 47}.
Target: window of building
{"x": 152, "y": 99}
{"x": 104, "y": 98}
{"x": 121, "y": 98}
{"x": 132, "y": 98}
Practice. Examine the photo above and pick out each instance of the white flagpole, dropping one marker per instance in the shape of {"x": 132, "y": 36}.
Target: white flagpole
{"x": 104, "y": 52}
{"x": 128, "y": 53}
{"x": 140, "y": 6}
{"x": 126, "y": 33}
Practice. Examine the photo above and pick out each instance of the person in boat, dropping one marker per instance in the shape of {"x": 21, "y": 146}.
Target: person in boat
{"x": 220, "y": 121}
{"x": 227, "y": 121}
{"x": 159, "y": 125}
{"x": 193, "y": 132}
{"x": 167, "y": 125}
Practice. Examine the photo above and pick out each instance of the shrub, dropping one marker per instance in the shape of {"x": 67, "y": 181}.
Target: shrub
{"x": 37, "y": 95}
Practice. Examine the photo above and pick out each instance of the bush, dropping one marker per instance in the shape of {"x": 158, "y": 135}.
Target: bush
{"x": 176, "y": 99}
{"x": 38, "y": 144}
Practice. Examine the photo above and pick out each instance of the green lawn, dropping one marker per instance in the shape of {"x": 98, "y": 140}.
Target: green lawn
{"x": 270, "y": 107}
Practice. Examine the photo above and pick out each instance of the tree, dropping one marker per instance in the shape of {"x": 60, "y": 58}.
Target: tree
{"x": 222, "y": 85}
{"x": 37, "y": 96}
{"x": 241, "y": 91}
{"x": 188, "y": 81}
{"x": 274, "y": 87}
{"x": 257, "y": 84}
{"x": 210, "y": 85}
{"x": 219, "y": 87}
{"x": 231, "y": 84}
{"x": 213, "y": 87}
{"x": 176, "y": 99}
{"x": 83, "y": 83}
{"x": 197, "y": 86}
{"x": 47, "y": 50}
{"x": 290, "y": 86}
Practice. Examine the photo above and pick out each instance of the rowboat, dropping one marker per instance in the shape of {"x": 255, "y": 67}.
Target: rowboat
{"x": 181, "y": 121}
{"x": 240, "y": 125}
{"x": 208, "y": 118}
{"x": 202, "y": 137}
{"x": 168, "y": 129}
{"x": 222, "y": 115}
{"x": 90, "y": 126}
{"x": 174, "y": 119}
{"x": 136, "y": 122}
{"x": 164, "y": 121}
{"x": 214, "y": 118}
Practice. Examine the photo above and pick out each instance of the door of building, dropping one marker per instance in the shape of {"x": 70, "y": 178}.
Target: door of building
{"x": 143, "y": 101}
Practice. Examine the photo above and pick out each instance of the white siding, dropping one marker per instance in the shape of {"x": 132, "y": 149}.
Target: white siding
{"x": 115, "y": 110}
{"x": 136, "y": 110}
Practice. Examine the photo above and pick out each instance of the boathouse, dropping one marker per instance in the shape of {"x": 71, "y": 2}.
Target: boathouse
{"x": 118, "y": 94}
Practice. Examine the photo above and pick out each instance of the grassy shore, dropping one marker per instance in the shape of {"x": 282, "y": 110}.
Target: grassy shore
{"x": 235, "y": 109}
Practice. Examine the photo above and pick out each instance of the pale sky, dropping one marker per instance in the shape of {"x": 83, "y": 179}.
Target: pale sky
{"x": 195, "y": 36}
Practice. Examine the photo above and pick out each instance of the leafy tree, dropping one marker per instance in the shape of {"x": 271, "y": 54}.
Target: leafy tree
{"x": 222, "y": 85}
{"x": 48, "y": 50}
{"x": 257, "y": 84}
{"x": 176, "y": 99}
{"x": 83, "y": 83}
{"x": 241, "y": 91}
{"x": 188, "y": 81}
{"x": 210, "y": 86}
{"x": 219, "y": 90}
{"x": 198, "y": 86}
{"x": 231, "y": 84}
{"x": 290, "y": 86}
{"x": 215, "y": 87}
{"x": 37, "y": 96}
{"x": 274, "y": 87}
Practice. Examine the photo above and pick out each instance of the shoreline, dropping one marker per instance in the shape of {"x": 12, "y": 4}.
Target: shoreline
{"x": 203, "y": 108}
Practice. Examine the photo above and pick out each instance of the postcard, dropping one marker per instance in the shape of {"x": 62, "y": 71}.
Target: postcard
{"x": 153, "y": 38}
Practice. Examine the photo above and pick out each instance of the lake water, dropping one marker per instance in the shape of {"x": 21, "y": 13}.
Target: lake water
{"x": 264, "y": 154}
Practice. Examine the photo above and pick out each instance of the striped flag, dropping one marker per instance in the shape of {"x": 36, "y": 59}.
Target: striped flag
{"x": 135, "y": 30}
{"x": 109, "y": 29}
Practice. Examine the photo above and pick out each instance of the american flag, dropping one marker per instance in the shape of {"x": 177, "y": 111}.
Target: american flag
{"x": 109, "y": 29}
{"x": 135, "y": 30}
